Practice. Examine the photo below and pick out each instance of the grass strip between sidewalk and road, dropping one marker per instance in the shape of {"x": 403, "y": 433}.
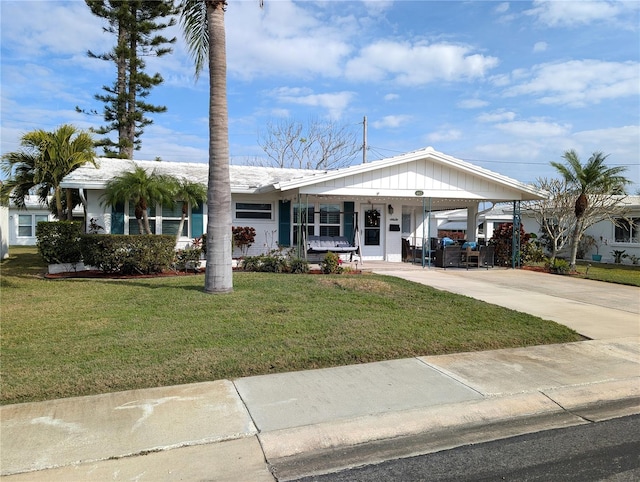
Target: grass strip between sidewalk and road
{"x": 70, "y": 337}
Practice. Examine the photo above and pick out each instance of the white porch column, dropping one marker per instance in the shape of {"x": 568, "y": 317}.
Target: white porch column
{"x": 472, "y": 222}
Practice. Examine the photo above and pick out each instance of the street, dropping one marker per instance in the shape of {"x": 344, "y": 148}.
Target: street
{"x": 608, "y": 450}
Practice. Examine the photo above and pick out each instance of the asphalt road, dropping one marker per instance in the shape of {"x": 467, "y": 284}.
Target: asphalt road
{"x": 602, "y": 451}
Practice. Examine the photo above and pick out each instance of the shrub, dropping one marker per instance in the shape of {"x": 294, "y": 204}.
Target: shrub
{"x": 502, "y": 240}
{"x": 128, "y": 254}
{"x": 331, "y": 264}
{"x": 59, "y": 241}
{"x": 299, "y": 266}
{"x": 558, "y": 265}
{"x": 243, "y": 238}
{"x": 188, "y": 258}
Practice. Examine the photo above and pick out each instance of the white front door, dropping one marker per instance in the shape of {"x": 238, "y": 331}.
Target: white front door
{"x": 371, "y": 231}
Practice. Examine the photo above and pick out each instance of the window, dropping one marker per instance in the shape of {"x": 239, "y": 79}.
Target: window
{"x": 27, "y": 223}
{"x": 329, "y": 220}
{"x": 171, "y": 217}
{"x": 302, "y": 216}
{"x": 253, "y": 211}
{"x": 627, "y": 230}
{"x": 133, "y": 222}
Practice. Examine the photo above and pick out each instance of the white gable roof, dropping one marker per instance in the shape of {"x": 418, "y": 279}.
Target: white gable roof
{"x": 435, "y": 174}
{"x": 247, "y": 179}
{"x": 423, "y": 173}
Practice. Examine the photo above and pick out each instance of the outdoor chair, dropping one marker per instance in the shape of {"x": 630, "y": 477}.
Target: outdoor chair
{"x": 486, "y": 256}
{"x": 471, "y": 257}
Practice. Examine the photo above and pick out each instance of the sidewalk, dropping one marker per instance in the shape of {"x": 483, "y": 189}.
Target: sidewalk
{"x": 299, "y": 423}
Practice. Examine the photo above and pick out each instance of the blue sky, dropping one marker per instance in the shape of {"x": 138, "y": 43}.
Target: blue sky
{"x": 508, "y": 86}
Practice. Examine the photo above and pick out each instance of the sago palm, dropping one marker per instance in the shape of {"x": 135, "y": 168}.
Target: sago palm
{"x": 595, "y": 177}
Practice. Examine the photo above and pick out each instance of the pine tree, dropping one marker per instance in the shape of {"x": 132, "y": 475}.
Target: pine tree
{"x": 136, "y": 25}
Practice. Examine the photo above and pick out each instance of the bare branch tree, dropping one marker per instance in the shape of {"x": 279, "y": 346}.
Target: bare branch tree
{"x": 317, "y": 145}
{"x": 556, "y": 217}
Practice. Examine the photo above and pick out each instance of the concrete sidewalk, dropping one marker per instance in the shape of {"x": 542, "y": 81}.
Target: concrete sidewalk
{"x": 283, "y": 426}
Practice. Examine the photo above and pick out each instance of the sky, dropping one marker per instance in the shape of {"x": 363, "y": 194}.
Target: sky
{"x": 508, "y": 86}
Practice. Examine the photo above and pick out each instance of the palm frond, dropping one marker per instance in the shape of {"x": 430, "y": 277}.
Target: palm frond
{"x": 193, "y": 18}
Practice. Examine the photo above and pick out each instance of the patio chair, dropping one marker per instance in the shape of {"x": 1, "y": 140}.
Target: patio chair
{"x": 471, "y": 257}
{"x": 486, "y": 257}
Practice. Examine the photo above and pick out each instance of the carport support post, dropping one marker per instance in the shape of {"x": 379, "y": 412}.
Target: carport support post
{"x": 515, "y": 239}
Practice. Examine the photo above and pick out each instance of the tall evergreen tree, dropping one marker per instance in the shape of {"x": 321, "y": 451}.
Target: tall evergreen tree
{"x": 136, "y": 25}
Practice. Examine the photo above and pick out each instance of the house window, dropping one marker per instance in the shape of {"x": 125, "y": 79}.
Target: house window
{"x": 329, "y": 220}
{"x": 254, "y": 211}
{"x": 27, "y": 223}
{"x": 133, "y": 222}
{"x": 627, "y": 230}
{"x": 171, "y": 217}
{"x": 302, "y": 216}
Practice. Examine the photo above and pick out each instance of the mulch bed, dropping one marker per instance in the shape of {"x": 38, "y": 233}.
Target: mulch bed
{"x": 96, "y": 274}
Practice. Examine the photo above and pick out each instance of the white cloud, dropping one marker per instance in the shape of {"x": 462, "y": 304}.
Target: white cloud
{"x": 497, "y": 116}
{"x": 502, "y": 7}
{"x": 392, "y": 121}
{"x": 540, "y": 47}
{"x": 417, "y": 63}
{"x": 390, "y": 97}
{"x": 534, "y": 129}
{"x": 472, "y": 104}
{"x": 284, "y": 38}
{"x": 580, "y": 82}
{"x": 577, "y": 13}
{"x": 444, "y": 135}
{"x": 335, "y": 103}
{"x": 27, "y": 32}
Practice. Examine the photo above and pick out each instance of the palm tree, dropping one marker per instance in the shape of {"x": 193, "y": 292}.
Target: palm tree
{"x": 44, "y": 160}
{"x": 203, "y": 25}
{"x": 591, "y": 179}
{"x": 188, "y": 192}
{"x": 142, "y": 189}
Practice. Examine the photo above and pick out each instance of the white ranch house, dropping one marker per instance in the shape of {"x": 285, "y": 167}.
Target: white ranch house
{"x": 374, "y": 205}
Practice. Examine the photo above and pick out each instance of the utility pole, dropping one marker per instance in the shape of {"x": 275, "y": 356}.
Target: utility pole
{"x": 364, "y": 140}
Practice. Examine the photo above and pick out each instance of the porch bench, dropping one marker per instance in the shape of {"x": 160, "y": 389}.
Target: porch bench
{"x": 324, "y": 244}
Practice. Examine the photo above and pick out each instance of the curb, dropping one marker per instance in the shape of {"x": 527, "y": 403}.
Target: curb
{"x": 332, "y": 446}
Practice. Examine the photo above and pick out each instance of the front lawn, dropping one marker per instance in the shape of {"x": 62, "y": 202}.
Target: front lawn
{"x": 63, "y": 338}
{"x": 625, "y": 274}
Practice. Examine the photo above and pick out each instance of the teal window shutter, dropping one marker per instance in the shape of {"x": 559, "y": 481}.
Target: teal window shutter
{"x": 117, "y": 219}
{"x": 284, "y": 223}
{"x": 349, "y": 221}
{"x": 197, "y": 221}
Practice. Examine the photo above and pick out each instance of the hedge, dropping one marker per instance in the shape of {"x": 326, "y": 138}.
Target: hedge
{"x": 128, "y": 254}
{"x": 59, "y": 241}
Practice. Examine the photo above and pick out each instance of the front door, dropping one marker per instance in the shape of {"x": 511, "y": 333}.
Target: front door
{"x": 371, "y": 232}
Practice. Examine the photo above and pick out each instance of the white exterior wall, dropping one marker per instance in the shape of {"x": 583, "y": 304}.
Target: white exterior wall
{"x": 13, "y": 223}
{"x": 266, "y": 237}
{"x": 4, "y": 232}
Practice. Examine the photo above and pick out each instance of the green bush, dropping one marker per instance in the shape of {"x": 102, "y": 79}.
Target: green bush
{"x": 128, "y": 254}
{"x": 59, "y": 241}
{"x": 558, "y": 265}
{"x": 188, "y": 258}
{"x": 502, "y": 240}
{"x": 299, "y": 266}
{"x": 331, "y": 264}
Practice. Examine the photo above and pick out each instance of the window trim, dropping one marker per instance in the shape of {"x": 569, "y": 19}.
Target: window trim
{"x": 243, "y": 211}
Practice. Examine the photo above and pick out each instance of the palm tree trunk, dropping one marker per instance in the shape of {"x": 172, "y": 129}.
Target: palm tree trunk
{"x": 57, "y": 195}
{"x": 575, "y": 239}
{"x": 69, "y": 204}
{"x": 219, "y": 274}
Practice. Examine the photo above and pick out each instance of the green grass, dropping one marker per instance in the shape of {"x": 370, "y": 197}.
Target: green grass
{"x": 611, "y": 273}
{"x": 72, "y": 337}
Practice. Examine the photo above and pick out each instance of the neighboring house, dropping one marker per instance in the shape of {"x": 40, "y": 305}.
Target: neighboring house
{"x": 374, "y": 205}
{"x": 23, "y": 221}
{"x": 624, "y": 234}
{"x": 4, "y": 232}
